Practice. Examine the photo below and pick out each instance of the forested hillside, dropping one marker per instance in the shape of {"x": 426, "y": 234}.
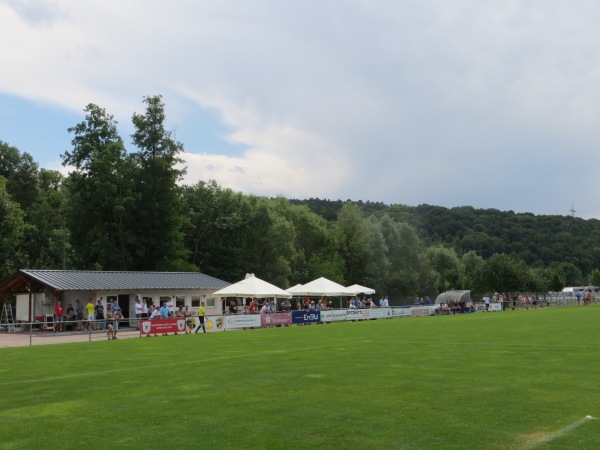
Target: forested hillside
{"x": 126, "y": 209}
{"x": 568, "y": 242}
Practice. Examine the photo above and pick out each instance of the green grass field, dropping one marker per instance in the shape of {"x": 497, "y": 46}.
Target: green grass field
{"x": 506, "y": 380}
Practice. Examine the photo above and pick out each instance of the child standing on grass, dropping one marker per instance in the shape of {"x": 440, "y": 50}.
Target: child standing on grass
{"x": 110, "y": 319}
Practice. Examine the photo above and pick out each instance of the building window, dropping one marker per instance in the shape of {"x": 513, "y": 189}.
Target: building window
{"x": 195, "y": 301}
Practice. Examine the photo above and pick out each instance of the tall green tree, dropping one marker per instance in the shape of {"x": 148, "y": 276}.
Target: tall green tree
{"x": 11, "y": 231}
{"x": 470, "y": 264}
{"x": 315, "y": 246}
{"x": 20, "y": 172}
{"x": 48, "y": 236}
{"x": 409, "y": 271}
{"x": 501, "y": 273}
{"x": 595, "y": 277}
{"x": 446, "y": 264}
{"x": 159, "y": 217}
{"x": 355, "y": 236}
{"x": 101, "y": 197}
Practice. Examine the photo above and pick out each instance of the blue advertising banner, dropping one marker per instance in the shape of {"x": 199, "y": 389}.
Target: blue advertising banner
{"x": 306, "y": 316}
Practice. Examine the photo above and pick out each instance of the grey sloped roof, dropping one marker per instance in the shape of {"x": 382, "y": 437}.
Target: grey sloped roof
{"x": 84, "y": 280}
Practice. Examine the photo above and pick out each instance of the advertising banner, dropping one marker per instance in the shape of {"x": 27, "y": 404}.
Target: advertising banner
{"x": 401, "y": 312}
{"x": 274, "y": 319}
{"x": 422, "y": 311}
{"x": 337, "y": 315}
{"x": 211, "y": 323}
{"x": 235, "y": 321}
{"x": 306, "y": 317}
{"x": 381, "y": 313}
{"x": 162, "y": 326}
{"x": 358, "y": 314}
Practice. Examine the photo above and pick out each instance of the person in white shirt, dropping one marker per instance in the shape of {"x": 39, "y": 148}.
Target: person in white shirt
{"x": 144, "y": 309}
{"x": 486, "y": 301}
{"x": 139, "y": 308}
{"x": 171, "y": 306}
{"x": 155, "y": 313}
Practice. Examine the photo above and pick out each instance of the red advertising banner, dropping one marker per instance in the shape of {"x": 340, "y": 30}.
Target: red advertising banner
{"x": 162, "y": 326}
{"x": 274, "y": 319}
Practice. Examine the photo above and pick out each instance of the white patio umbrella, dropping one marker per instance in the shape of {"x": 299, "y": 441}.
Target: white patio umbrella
{"x": 358, "y": 289}
{"x": 252, "y": 287}
{"x": 321, "y": 287}
{"x": 295, "y": 287}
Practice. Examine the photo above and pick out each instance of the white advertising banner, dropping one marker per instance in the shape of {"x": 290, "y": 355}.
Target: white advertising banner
{"x": 340, "y": 315}
{"x": 358, "y": 314}
{"x": 337, "y": 315}
{"x": 242, "y": 321}
{"x": 381, "y": 313}
{"x": 400, "y": 312}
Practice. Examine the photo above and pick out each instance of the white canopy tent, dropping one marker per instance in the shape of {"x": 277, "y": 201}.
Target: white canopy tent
{"x": 252, "y": 287}
{"x": 294, "y": 288}
{"x": 358, "y": 289}
{"x": 321, "y": 287}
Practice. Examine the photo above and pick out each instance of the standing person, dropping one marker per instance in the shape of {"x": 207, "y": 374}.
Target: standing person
{"x": 118, "y": 314}
{"x": 201, "y": 315}
{"x": 70, "y": 312}
{"x": 287, "y": 305}
{"x": 110, "y": 320}
{"x": 139, "y": 309}
{"x": 58, "y": 316}
{"x": 144, "y": 308}
{"x": 90, "y": 312}
{"x": 164, "y": 311}
{"x": 486, "y": 301}
{"x": 99, "y": 312}
{"x": 179, "y": 313}
{"x": 253, "y": 309}
{"x": 171, "y": 306}
{"x": 188, "y": 320}
{"x": 69, "y": 318}
{"x": 78, "y": 314}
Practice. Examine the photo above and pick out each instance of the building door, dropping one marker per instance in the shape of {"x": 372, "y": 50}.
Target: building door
{"x": 125, "y": 308}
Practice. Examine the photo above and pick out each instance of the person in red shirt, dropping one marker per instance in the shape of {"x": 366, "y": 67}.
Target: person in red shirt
{"x": 58, "y": 316}
{"x": 253, "y": 309}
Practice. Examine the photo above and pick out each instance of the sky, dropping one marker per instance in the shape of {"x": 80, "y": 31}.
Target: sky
{"x": 491, "y": 104}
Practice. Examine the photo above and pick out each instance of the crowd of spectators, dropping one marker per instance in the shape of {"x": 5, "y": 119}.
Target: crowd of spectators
{"x": 455, "y": 307}
{"x": 264, "y": 306}
{"x": 422, "y": 301}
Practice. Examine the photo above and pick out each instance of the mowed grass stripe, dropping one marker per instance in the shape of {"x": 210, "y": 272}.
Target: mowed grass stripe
{"x": 495, "y": 380}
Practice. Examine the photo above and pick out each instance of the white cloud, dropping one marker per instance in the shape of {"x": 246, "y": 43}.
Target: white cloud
{"x": 434, "y": 102}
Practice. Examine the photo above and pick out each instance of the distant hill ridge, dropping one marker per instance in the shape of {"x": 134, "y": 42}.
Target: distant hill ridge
{"x": 545, "y": 240}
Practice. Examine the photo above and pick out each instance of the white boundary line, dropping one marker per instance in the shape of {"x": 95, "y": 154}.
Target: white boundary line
{"x": 559, "y": 433}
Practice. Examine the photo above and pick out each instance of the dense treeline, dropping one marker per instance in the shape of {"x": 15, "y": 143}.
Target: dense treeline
{"x": 121, "y": 209}
{"x": 570, "y": 245}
